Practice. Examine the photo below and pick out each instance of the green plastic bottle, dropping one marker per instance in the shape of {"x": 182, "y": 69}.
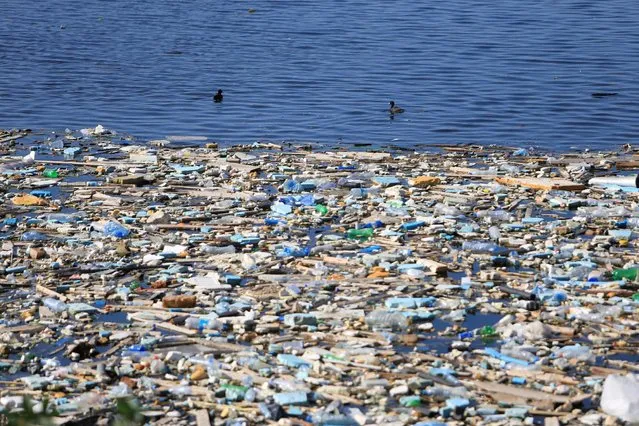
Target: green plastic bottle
{"x": 487, "y": 331}
{"x": 629, "y": 274}
{"x": 360, "y": 234}
{"x": 410, "y": 401}
{"x": 50, "y": 173}
{"x": 321, "y": 209}
{"x": 635, "y": 297}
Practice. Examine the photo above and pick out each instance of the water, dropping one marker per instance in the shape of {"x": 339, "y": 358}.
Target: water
{"x": 508, "y": 72}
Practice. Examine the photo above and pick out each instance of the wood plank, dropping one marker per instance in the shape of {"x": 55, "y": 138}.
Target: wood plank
{"x": 11, "y": 138}
{"x": 541, "y": 183}
{"x": 202, "y": 418}
{"x": 176, "y": 328}
{"x": 527, "y": 394}
{"x": 631, "y": 163}
{"x": 29, "y": 329}
{"x": 434, "y": 266}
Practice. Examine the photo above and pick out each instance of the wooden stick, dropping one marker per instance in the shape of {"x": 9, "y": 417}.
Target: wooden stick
{"x": 42, "y": 289}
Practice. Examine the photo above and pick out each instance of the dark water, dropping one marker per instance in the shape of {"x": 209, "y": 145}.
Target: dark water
{"x": 508, "y": 72}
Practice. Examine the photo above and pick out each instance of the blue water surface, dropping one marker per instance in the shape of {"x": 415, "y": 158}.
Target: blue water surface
{"x": 508, "y": 72}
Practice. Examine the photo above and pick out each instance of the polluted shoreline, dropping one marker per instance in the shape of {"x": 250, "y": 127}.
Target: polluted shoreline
{"x": 177, "y": 281}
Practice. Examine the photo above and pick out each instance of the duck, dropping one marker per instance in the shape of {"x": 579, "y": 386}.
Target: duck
{"x": 218, "y": 96}
{"x": 394, "y": 109}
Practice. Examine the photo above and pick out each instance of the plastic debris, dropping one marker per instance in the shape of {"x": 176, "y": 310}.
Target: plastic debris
{"x": 263, "y": 283}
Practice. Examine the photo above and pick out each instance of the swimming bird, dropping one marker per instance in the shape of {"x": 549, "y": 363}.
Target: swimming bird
{"x": 218, "y": 96}
{"x": 603, "y": 94}
{"x": 394, "y": 109}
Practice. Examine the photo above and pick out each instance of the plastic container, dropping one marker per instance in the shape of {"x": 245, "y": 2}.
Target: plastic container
{"x": 409, "y": 226}
{"x": 487, "y": 331}
{"x": 230, "y": 249}
{"x": 54, "y": 305}
{"x": 494, "y": 215}
{"x": 483, "y": 247}
{"x": 629, "y": 274}
{"x": 360, "y": 234}
{"x": 34, "y": 236}
{"x": 321, "y": 209}
{"x": 195, "y": 323}
{"x": 494, "y": 233}
{"x": 113, "y": 229}
{"x": 374, "y": 225}
{"x": 631, "y": 181}
{"x": 291, "y": 185}
{"x": 292, "y": 251}
{"x": 50, "y": 173}
{"x": 387, "y": 320}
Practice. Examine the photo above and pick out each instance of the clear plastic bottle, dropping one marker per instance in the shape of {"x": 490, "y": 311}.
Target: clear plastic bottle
{"x": 494, "y": 215}
{"x": 444, "y": 210}
{"x": 387, "y": 320}
{"x": 183, "y": 390}
{"x": 34, "y": 236}
{"x": 195, "y": 323}
{"x": 483, "y": 247}
{"x": 54, "y": 305}
{"x": 230, "y": 249}
{"x": 62, "y": 218}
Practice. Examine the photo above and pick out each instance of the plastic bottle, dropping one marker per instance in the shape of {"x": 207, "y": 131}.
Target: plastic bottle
{"x": 371, "y": 249}
{"x": 62, "y": 218}
{"x": 195, "y": 323}
{"x": 483, "y": 247}
{"x": 360, "y": 234}
{"x": 363, "y": 192}
{"x": 305, "y": 200}
{"x": 494, "y": 233}
{"x": 50, "y": 173}
{"x": 34, "y": 236}
{"x": 444, "y": 210}
{"x": 494, "y": 215}
{"x": 409, "y": 226}
{"x": 281, "y": 208}
{"x": 183, "y": 390}
{"x": 292, "y": 251}
{"x": 487, "y": 331}
{"x": 466, "y": 335}
{"x": 115, "y": 229}
{"x": 330, "y": 419}
{"x": 595, "y": 276}
{"x": 321, "y": 209}
{"x": 577, "y": 351}
{"x": 291, "y": 185}
{"x": 375, "y": 225}
{"x": 54, "y": 305}
{"x": 230, "y": 249}
{"x": 629, "y": 274}
{"x": 387, "y": 320}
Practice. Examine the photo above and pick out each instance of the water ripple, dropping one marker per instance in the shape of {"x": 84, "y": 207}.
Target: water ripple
{"x": 465, "y": 71}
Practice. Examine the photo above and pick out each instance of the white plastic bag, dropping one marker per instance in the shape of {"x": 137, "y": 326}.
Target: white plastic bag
{"x": 620, "y": 397}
